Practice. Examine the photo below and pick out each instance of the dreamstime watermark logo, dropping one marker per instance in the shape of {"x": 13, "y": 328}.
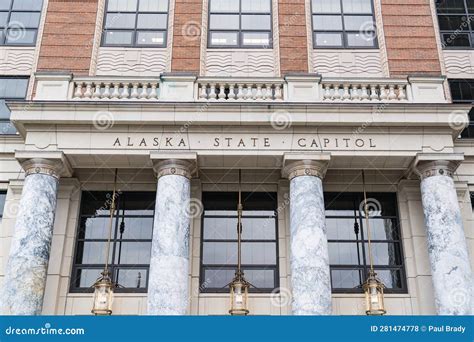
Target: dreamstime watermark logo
{"x": 458, "y": 119}
{"x": 195, "y": 208}
{"x": 281, "y": 297}
{"x": 374, "y": 208}
{"x": 16, "y": 31}
{"x": 103, "y": 120}
{"x": 367, "y": 30}
{"x": 459, "y": 297}
{"x": 47, "y": 329}
{"x": 281, "y": 119}
{"x": 191, "y": 30}
{"x": 11, "y": 209}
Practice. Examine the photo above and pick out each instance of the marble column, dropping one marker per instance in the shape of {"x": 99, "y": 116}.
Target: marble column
{"x": 447, "y": 247}
{"x": 168, "y": 288}
{"x": 25, "y": 275}
{"x": 310, "y": 274}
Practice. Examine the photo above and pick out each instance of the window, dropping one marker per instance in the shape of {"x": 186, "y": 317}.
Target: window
{"x": 3, "y": 197}
{"x": 219, "y": 241}
{"x": 462, "y": 91}
{"x": 343, "y": 24}
{"x": 139, "y": 23}
{"x": 19, "y": 21}
{"x": 240, "y": 23}
{"x": 455, "y": 23}
{"x": 11, "y": 88}
{"x": 130, "y": 250}
{"x": 348, "y": 244}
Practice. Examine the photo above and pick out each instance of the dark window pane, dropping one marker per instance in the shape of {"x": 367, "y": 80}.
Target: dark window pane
{"x": 24, "y": 19}
{"x": 383, "y": 229}
{"x": 346, "y": 279}
{"x": 256, "y": 22}
{"x": 95, "y": 228}
{"x": 325, "y": 6}
{"x": 86, "y": 277}
{"x": 3, "y": 19}
{"x": 224, "y": 38}
{"x": 3, "y": 196}
{"x": 328, "y": 39}
{"x": 224, "y": 22}
{"x": 132, "y": 253}
{"x": 327, "y": 22}
{"x": 259, "y": 253}
{"x": 118, "y": 37}
{"x": 27, "y": 5}
{"x": 450, "y": 6}
{"x": 122, "y": 5}
{"x": 385, "y": 254}
{"x": 357, "y": 6}
{"x": 392, "y": 279}
{"x": 137, "y": 228}
{"x": 261, "y": 278}
{"x": 132, "y": 278}
{"x": 5, "y": 4}
{"x": 220, "y": 278}
{"x": 462, "y": 90}
{"x": 120, "y": 20}
{"x": 345, "y": 253}
{"x": 153, "y": 6}
{"x": 92, "y": 253}
{"x": 452, "y": 22}
{"x": 470, "y": 6}
{"x": 152, "y": 21}
{"x": 20, "y": 36}
{"x": 256, "y": 6}
{"x": 459, "y": 40}
{"x": 13, "y": 88}
{"x": 365, "y": 39}
{"x": 360, "y": 23}
{"x": 230, "y": 6}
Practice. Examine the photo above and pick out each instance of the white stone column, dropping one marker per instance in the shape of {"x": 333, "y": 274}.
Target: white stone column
{"x": 310, "y": 273}
{"x": 168, "y": 287}
{"x": 25, "y": 275}
{"x": 447, "y": 247}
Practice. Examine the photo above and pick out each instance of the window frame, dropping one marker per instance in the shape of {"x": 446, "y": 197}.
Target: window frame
{"x": 135, "y": 30}
{"x": 3, "y": 193}
{"x": 362, "y": 240}
{"x": 240, "y": 32}
{"x": 203, "y": 267}
{"x": 13, "y": 99}
{"x": 113, "y": 267}
{"x": 469, "y": 32}
{"x": 3, "y": 40}
{"x": 343, "y": 32}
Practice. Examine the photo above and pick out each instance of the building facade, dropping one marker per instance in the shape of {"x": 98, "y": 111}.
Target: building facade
{"x": 178, "y": 96}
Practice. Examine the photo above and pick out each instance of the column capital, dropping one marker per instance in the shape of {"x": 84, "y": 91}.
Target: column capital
{"x": 430, "y": 165}
{"x": 179, "y": 164}
{"x": 296, "y": 165}
{"x": 51, "y": 163}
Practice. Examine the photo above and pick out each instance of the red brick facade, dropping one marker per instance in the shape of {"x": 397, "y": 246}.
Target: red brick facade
{"x": 293, "y": 36}
{"x": 410, "y": 37}
{"x": 68, "y": 36}
{"x": 187, "y": 35}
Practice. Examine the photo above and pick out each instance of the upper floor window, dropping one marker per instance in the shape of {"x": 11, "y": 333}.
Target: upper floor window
{"x": 19, "y": 21}
{"x": 3, "y": 197}
{"x": 259, "y": 241}
{"x": 462, "y": 91}
{"x": 130, "y": 249}
{"x": 455, "y": 23}
{"x": 11, "y": 88}
{"x": 137, "y": 23}
{"x": 348, "y": 241}
{"x": 240, "y": 23}
{"x": 343, "y": 24}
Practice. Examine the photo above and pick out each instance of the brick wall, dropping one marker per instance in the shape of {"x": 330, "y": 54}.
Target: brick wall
{"x": 68, "y": 36}
{"x": 410, "y": 37}
{"x": 187, "y": 35}
{"x": 293, "y": 39}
